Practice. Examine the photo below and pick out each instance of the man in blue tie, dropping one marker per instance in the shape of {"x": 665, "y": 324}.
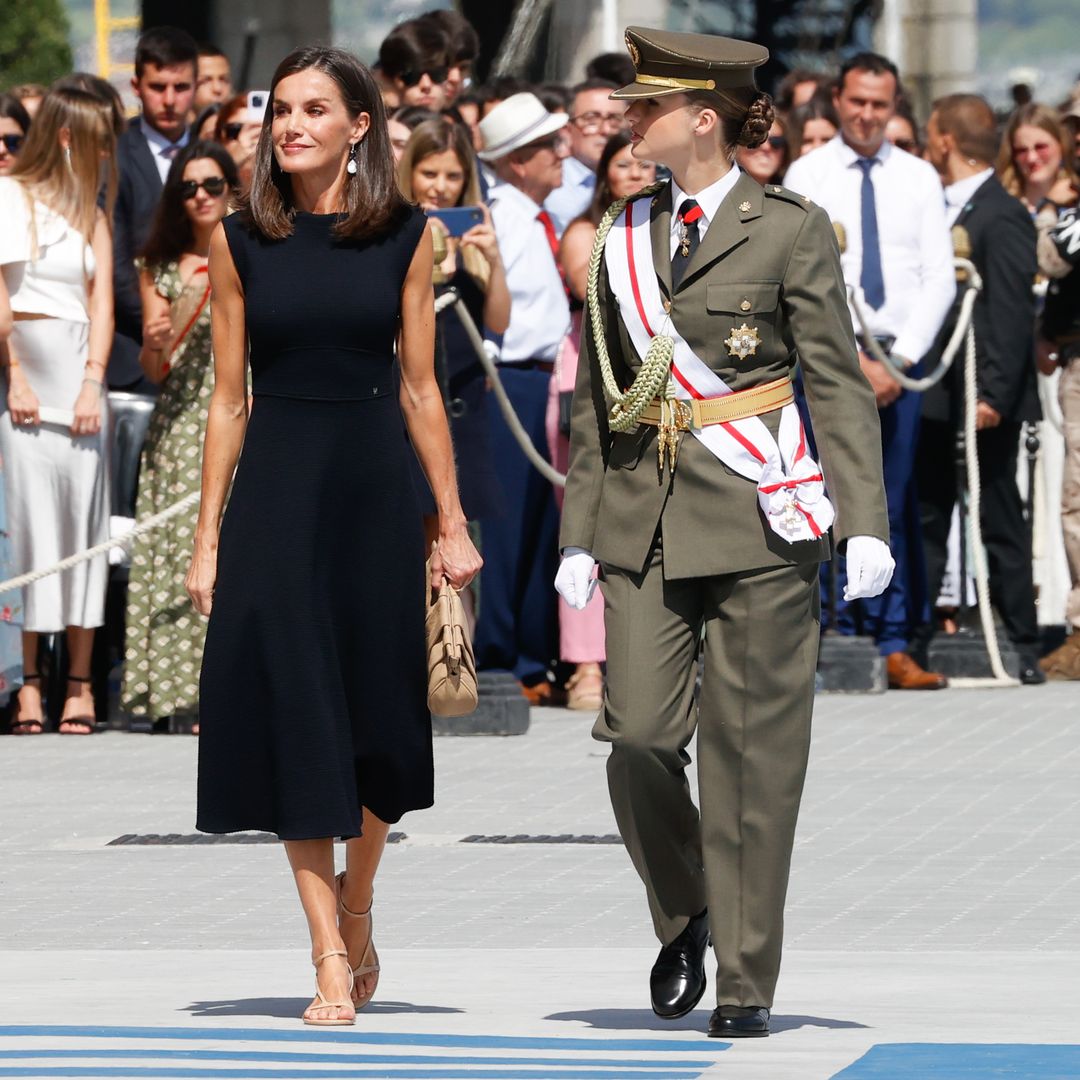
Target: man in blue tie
{"x": 889, "y": 214}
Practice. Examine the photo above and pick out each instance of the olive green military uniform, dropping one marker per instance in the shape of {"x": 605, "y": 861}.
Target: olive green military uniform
{"x": 690, "y": 550}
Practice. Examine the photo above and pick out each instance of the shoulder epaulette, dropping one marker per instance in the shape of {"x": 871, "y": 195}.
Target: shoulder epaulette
{"x": 775, "y": 191}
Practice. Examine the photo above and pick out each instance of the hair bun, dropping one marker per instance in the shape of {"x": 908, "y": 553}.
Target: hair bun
{"x": 758, "y": 122}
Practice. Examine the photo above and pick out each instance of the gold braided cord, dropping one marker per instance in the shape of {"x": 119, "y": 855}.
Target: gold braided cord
{"x": 652, "y": 379}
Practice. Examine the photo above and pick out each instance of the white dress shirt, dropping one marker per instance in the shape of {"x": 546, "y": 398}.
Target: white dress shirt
{"x": 539, "y": 312}
{"x": 709, "y": 199}
{"x": 958, "y": 195}
{"x": 572, "y": 197}
{"x": 161, "y": 149}
{"x": 916, "y": 252}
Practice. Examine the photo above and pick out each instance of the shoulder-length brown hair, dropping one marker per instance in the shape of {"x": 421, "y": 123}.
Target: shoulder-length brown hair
{"x": 1040, "y": 116}
{"x": 373, "y": 204}
{"x": 70, "y": 181}
{"x": 436, "y": 137}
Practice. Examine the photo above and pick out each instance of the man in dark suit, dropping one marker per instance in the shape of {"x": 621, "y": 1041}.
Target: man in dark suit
{"x": 962, "y": 142}
{"x": 164, "y": 82}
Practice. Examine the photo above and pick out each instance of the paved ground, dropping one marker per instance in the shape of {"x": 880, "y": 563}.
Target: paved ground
{"x": 933, "y": 926}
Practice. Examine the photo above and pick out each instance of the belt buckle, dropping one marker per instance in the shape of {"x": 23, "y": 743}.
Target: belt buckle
{"x": 684, "y": 415}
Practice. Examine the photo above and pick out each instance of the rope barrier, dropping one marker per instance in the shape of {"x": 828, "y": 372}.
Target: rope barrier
{"x": 965, "y": 332}
{"x": 123, "y": 540}
{"x": 448, "y": 299}
{"x": 451, "y": 299}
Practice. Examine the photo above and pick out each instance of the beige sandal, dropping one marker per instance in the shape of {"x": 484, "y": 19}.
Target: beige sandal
{"x": 585, "y": 691}
{"x": 369, "y": 961}
{"x": 323, "y": 1003}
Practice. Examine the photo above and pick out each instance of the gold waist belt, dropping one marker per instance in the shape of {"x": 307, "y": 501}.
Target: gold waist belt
{"x": 701, "y": 412}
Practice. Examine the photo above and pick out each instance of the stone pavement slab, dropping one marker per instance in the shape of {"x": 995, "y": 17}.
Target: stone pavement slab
{"x": 933, "y": 929}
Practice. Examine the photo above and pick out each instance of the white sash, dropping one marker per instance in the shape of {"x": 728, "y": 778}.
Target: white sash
{"x": 791, "y": 491}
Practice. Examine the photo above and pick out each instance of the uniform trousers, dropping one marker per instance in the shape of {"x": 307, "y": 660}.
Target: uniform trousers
{"x": 892, "y": 617}
{"x": 1005, "y": 533}
{"x": 517, "y": 626}
{"x": 752, "y": 719}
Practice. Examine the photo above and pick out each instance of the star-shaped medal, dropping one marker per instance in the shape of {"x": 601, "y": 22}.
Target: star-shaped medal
{"x": 743, "y": 341}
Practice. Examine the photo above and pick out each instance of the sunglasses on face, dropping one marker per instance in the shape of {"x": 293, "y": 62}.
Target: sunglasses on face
{"x": 12, "y": 142}
{"x": 910, "y": 146}
{"x": 1041, "y": 150}
{"x": 212, "y": 185}
{"x": 776, "y": 142}
{"x": 232, "y": 131}
{"x": 436, "y": 74}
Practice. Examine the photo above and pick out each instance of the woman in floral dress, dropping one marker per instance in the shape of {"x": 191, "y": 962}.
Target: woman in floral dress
{"x": 164, "y": 636}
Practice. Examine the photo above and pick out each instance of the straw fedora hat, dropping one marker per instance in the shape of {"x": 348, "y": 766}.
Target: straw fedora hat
{"x": 516, "y": 122}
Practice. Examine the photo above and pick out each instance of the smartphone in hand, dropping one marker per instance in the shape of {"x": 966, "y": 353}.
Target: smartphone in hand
{"x": 458, "y": 220}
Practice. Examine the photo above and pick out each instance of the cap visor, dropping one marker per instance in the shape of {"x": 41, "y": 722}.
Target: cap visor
{"x": 640, "y": 90}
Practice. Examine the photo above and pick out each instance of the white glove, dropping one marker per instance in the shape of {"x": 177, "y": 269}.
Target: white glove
{"x": 870, "y": 567}
{"x": 575, "y": 582}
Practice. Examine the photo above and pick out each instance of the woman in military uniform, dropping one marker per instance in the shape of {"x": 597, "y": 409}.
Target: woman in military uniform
{"x": 691, "y": 485}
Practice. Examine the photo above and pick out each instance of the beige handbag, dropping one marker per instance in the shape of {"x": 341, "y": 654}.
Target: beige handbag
{"x": 451, "y": 663}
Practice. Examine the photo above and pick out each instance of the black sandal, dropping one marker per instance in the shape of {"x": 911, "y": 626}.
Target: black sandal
{"x": 86, "y": 724}
{"x": 28, "y": 727}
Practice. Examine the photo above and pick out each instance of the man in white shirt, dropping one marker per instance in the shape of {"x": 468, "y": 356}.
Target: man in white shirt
{"x": 888, "y": 211}
{"x": 594, "y": 118}
{"x": 164, "y": 82}
{"x": 525, "y": 146}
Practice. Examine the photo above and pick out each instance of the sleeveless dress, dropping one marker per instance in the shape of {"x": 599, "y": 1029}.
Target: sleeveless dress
{"x": 313, "y": 698}
{"x": 164, "y": 634}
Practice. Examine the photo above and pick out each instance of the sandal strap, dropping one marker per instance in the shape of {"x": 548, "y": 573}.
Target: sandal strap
{"x": 317, "y": 960}
{"x": 341, "y": 903}
{"x": 324, "y": 1001}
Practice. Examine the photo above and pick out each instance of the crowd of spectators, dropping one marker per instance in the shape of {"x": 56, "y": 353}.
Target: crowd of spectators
{"x": 515, "y": 178}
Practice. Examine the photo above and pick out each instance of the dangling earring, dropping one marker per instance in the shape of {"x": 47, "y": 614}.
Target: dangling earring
{"x": 352, "y": 166}
{"x": 67, "y": 156}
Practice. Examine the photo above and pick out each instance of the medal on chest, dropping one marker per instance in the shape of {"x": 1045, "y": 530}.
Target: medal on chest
{"x": 743, "y": 341}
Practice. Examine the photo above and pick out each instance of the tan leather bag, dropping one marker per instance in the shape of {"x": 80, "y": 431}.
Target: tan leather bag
{"x": 451, "y": 663}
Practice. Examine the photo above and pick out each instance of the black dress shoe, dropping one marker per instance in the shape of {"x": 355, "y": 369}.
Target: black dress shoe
{"x": 1031, "y": 674}
{"x": 739, "y": 1022}
{"x": 677, "y": 980}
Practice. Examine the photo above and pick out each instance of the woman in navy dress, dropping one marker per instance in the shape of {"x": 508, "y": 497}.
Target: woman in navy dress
{"x": 314, "y": 679}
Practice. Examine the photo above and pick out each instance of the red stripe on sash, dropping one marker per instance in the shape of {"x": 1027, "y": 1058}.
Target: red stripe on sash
{"x": 633, "y": 268}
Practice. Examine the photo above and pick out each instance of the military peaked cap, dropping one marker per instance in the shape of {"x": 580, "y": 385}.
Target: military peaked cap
{"x": 671, "y": 63}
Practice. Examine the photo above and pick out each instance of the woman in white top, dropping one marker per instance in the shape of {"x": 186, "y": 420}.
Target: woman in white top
{"x": 56, "y": 325}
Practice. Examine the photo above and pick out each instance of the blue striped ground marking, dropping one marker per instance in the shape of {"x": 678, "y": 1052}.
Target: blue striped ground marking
{"x": 341, "y": 1074}
{"x": 966, "y": 1061}
{"x": 350, "y": 1059}
{"x": 372, "y": 1038}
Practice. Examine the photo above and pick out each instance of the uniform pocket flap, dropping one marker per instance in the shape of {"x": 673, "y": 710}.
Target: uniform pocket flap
{"x": 742, "y": 297}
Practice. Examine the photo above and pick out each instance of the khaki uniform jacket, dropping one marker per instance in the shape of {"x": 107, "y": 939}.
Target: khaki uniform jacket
{"x": 780, "y": 255}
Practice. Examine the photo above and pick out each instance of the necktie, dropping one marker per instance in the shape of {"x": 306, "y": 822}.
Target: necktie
{"x": 169, "y": 152}
{"x": 553, "y": 242}
{"x": 872, "y": 280}
{"x": 689, "y": 238}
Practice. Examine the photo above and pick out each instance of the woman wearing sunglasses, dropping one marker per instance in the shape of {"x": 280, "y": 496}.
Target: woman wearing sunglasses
{"x": 14, "y": 123}
{"x": 238, "y": 130}
{"x": 768, "y": 162}
{"x": 56, "y": 325}
{"x": 164, "y": 638}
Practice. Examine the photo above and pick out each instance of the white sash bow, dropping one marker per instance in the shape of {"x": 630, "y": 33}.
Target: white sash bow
{"x": 791, "y": 491}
